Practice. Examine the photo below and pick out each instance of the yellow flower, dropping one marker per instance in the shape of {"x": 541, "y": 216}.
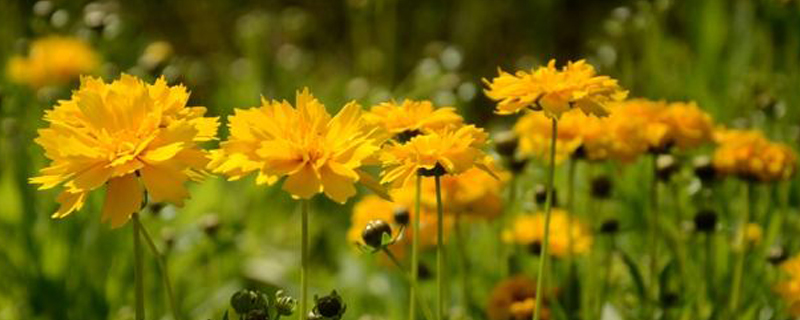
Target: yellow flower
{"x": 411, "y": 118}
{"x": 452, "y": 150}
{"x": 514, "y": 299}
{"x": 749, "y": 155}
{"x": 753, "y": 234}
{"x": 52, "y": 60}
{"x": 529, "y": 230}
{"x": 128, "y": 135}
{"x": 615, "y": 137}
{"x": 317, "y": 153}
{"x": 554, "y": 91}
{"x": 689, "y": 127}
{"x": 789, "y": 288}
{"x": 663, "y": 125}
{"x": 373, "y": 207}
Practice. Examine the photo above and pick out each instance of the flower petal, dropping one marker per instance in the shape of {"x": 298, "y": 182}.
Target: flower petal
{"x": 123, "y": 198}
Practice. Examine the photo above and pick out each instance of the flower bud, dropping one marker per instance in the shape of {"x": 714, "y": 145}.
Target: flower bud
{"x": 257, "y": 314}
{"x": 373, "y": 233}
{"x": 601, "y": 187}
{"x": 244, "y": 301}
{"x": 705, "y": 220}
{"x": 506, "y": 143}
{"x": 284, "y": 304}
{"x": 401, "y": 216}
{"x": 535, "y": 248}
{"x": 776, "y": 256}
{"x": 517, "y": 165}
{"x": 540, "y": 195}
{"x": 610, "y": 226}
{"x": 330, "y": 307}
{"x": 666, "y": 166}
{"x": 210, "y": 224}
{"x": 704, "y": 169}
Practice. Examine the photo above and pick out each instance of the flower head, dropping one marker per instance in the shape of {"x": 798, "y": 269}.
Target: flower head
{"x": 554, "y": 91}
{"x": 452, "y": 150}
{"x": 53, "y": 60}
{"x": 372, "y": 208}
{"x": 663, "y": 125}
{"x": 128, "y": 135}
{"x": 316, "y": 152}
{"x": 749, "y": 155}
{"x": 515, "y": 299}
{"x": 529, "y": 230}
{"x": 405, "y": 120}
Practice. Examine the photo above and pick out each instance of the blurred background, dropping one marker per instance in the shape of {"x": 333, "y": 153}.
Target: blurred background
{"x": 738, "y": 59}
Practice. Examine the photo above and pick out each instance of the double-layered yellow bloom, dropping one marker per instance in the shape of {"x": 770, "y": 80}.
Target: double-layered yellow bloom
{"x": 663, "y": 125}
{"x": 749, "y": 155}
{"x": 52, "y": 60}
{"x": 316, "y": 152}
{"x": 529, "y": 230}
{"x": 554, "y": 91}
{"x": 789, "y": 288}
{"x": 411, "y": 118}
{"x": 128, "y": 135}
{"x": 452, "y": 150}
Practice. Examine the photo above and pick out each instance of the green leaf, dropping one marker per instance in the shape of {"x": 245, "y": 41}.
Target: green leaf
{"x": 386, "y": 239}
{"x": 635, "y": 275}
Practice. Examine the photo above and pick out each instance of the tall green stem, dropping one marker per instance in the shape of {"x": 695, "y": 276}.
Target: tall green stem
{"x": 653, "y": 289}
{"x": 439, "y": 251}
{"x": 162, "y": 265}
{"x": 138, "y": 267}
{"x": 548, "y": 207}
{"x": 412, "y": 310}
{"x": 741, "y": 243}
{"x": 425, "y": 308}
{"x": 304, "y": 260}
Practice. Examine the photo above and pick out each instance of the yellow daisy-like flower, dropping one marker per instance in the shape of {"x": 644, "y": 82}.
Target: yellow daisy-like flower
{"x": 128, "y": 135}
{"x": 663, "y": 125}
{"x": 554, "y": 91}
{"x": 373, "y": 207}
{"x": 789, "y": 287}
{"x": 316, "y": 152}
{"x": 53, "y": 60}
{"x": 749, "y": 155}
{"x": 529, "y": 230}
{"x": 453, "y": 150}
{"x": 411, "y": 118}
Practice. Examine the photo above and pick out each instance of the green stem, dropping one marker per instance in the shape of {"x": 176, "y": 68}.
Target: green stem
{"x": 162, "y": 265}
{"x": 412, "y": 310}
{"x": 304, "y": 260}
{"x": 548, "y": 206}
{"x": 738, "y": 270}
{"x": 138, "y": 267}
{"x": 439, "y": 250}
{"x": 653, "y": 289}
{"x": 464, "y": 261}
{"x": 425, "y": 309}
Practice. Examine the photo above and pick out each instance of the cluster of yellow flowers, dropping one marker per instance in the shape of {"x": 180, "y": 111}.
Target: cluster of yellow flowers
{"x": 528, "y": 230}
{"x": 633, "y": 127}
{"x": 52, "y": 60}
{"x": 749, "y": 155}
{"x": 789, "y": 288}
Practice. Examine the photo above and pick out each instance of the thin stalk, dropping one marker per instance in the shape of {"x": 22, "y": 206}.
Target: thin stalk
{"x": 425, "y": 309}
{"x": 653, "y": 287}
{"x": 548, "y": 208}
{"x": 162, "y": 265}
{"x": 412, "y": 310}
{"x": 741, "y": 240}
{"x": 439, "y": 250}
{"x": 304, "y": 260}
{"x": 138, "y": 267}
